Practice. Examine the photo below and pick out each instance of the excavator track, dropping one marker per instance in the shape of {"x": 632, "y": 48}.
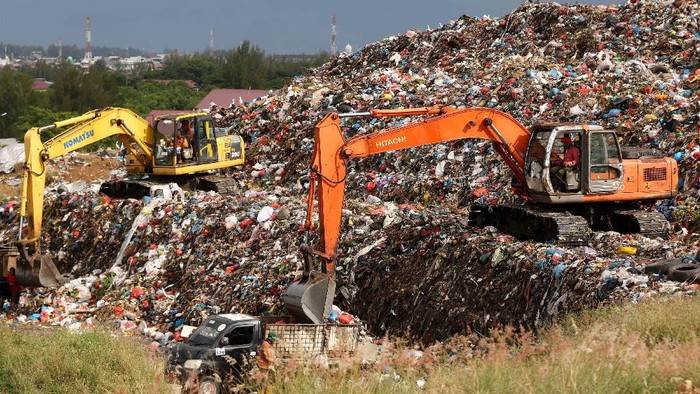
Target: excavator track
{"x": 154, "y": 187}
{"x": 129, "y": 188}
{"x": 532, "y": 223}
{"x": 218, "y": 183}
{"x": 650, "y": 224}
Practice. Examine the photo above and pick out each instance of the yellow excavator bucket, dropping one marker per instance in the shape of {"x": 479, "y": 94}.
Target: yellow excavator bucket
{"x": 310, "y": 299}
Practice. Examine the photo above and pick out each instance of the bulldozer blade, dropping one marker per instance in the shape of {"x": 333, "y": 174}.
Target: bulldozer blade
{"x": 41, "y": 271}
{"x": 310, "y": 299}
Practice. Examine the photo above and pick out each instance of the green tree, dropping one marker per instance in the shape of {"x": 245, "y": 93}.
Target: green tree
{"x": 203, "y": 69}
{"x": 65, "y": 92}
{"x": 39, "y": 98}
{"x": 16, "y": 88}
{"x": 280, "y": 71}
{"x": 78, "y": 91}
{"x": 98, "y": 87}
{"x": 149, "y": 95}
{"x": 38, "y": 117}
{"x": 244, "y": 67}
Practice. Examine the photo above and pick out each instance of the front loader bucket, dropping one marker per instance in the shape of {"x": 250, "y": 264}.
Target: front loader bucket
{"x": 309, "y": 300}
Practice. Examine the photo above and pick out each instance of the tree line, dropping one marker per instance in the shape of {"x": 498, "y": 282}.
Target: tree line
{"x": 75, "y": 91}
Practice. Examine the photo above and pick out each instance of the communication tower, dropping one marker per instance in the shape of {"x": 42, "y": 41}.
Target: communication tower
{"x": 334, "y": 47}
{"x": 88, "y": 44}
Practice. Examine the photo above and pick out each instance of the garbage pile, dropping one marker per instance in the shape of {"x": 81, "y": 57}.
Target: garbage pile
{"x": 408, "y": 263}
{"x": 543, "y": 62}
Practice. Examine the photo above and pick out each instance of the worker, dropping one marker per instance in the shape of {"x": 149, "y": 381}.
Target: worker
{"x": 181, "y": 144}
{"x": 14, "y": 288}
{"x": 187, "y": 129}
{"x": 266, "y": 363}
{"x": 267, "y": 357}
{"x": 560, "y": 167}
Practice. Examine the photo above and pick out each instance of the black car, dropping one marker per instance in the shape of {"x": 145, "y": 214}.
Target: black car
{"x": 217, "y": 353}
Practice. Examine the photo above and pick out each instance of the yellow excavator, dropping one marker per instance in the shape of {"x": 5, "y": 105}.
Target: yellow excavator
{"x": 173, "y": 146}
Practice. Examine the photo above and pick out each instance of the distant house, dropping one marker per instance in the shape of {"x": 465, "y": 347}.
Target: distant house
{"x": 40, "y": 85}
{"x": 190, "y": 83}
{"x": 5, "y": 61}
{"x": 229, "y": 97}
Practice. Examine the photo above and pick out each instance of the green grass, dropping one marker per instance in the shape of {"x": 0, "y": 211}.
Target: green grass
{"x": 37, "y": 360}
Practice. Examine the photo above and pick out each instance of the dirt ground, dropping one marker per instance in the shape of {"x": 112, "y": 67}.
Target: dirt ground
{"x": 89, "y": 167}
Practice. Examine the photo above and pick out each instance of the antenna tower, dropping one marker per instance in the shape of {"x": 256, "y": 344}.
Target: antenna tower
{"x": 88, "y": 44}
{"x": 334, "y": 47}
{"x": 211, "y": 41}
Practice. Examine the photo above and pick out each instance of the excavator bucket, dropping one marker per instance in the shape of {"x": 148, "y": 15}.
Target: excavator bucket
{"x": 37, "y": 270}
{"x": 309, "y": 300}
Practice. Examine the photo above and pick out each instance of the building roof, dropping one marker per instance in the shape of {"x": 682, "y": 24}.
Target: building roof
{"x": 162, "y": 112}
{"x": 41, "y": 84}
{"x": 190, "y": 83}
{"x": 226, "y": 97}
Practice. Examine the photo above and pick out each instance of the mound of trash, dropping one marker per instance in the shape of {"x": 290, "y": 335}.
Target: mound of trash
{"x": 408, "y": 263}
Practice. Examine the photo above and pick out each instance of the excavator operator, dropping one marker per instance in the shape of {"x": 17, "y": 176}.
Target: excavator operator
{"x": 181, "y": 145}
{"x": 560, "y": 167}
{"x": 187, "y": 129}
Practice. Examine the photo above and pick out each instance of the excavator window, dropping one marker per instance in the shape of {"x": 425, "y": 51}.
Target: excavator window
{"x": 206, "y": 143}
{"x": 187, "y": 131}
{"x": 536, "y": 176}
{"x": 604, "y": 149}
{"x": 565, "y": 177}
{"x": 612, "y": 148}
{"x": 604, "y": 152}
{"x": 164, "y": 142}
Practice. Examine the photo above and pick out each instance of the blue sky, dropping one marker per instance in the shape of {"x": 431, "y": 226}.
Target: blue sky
{"x": 276, "y": 26}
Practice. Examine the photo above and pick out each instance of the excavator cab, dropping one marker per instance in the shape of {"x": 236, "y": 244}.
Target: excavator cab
{"x": 202, "y": 142}
{"x": 550, "y": 176}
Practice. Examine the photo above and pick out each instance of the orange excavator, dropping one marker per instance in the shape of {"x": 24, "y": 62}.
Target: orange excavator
{"x": 604, "y": 190}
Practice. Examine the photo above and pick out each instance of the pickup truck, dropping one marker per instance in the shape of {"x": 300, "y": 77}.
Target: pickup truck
{"x": 220, "y": 350}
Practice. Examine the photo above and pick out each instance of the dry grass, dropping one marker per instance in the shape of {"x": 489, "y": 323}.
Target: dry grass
{"x": 652, "y": 347}
{"x": 648, "y": 348}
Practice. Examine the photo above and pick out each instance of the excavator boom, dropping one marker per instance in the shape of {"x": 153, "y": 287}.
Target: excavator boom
{"x": 93, "y": 126}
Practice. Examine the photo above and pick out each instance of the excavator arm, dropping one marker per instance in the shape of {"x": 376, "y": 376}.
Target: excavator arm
{"x": 310, "y": 298}
{"x": 86, "y": 129}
